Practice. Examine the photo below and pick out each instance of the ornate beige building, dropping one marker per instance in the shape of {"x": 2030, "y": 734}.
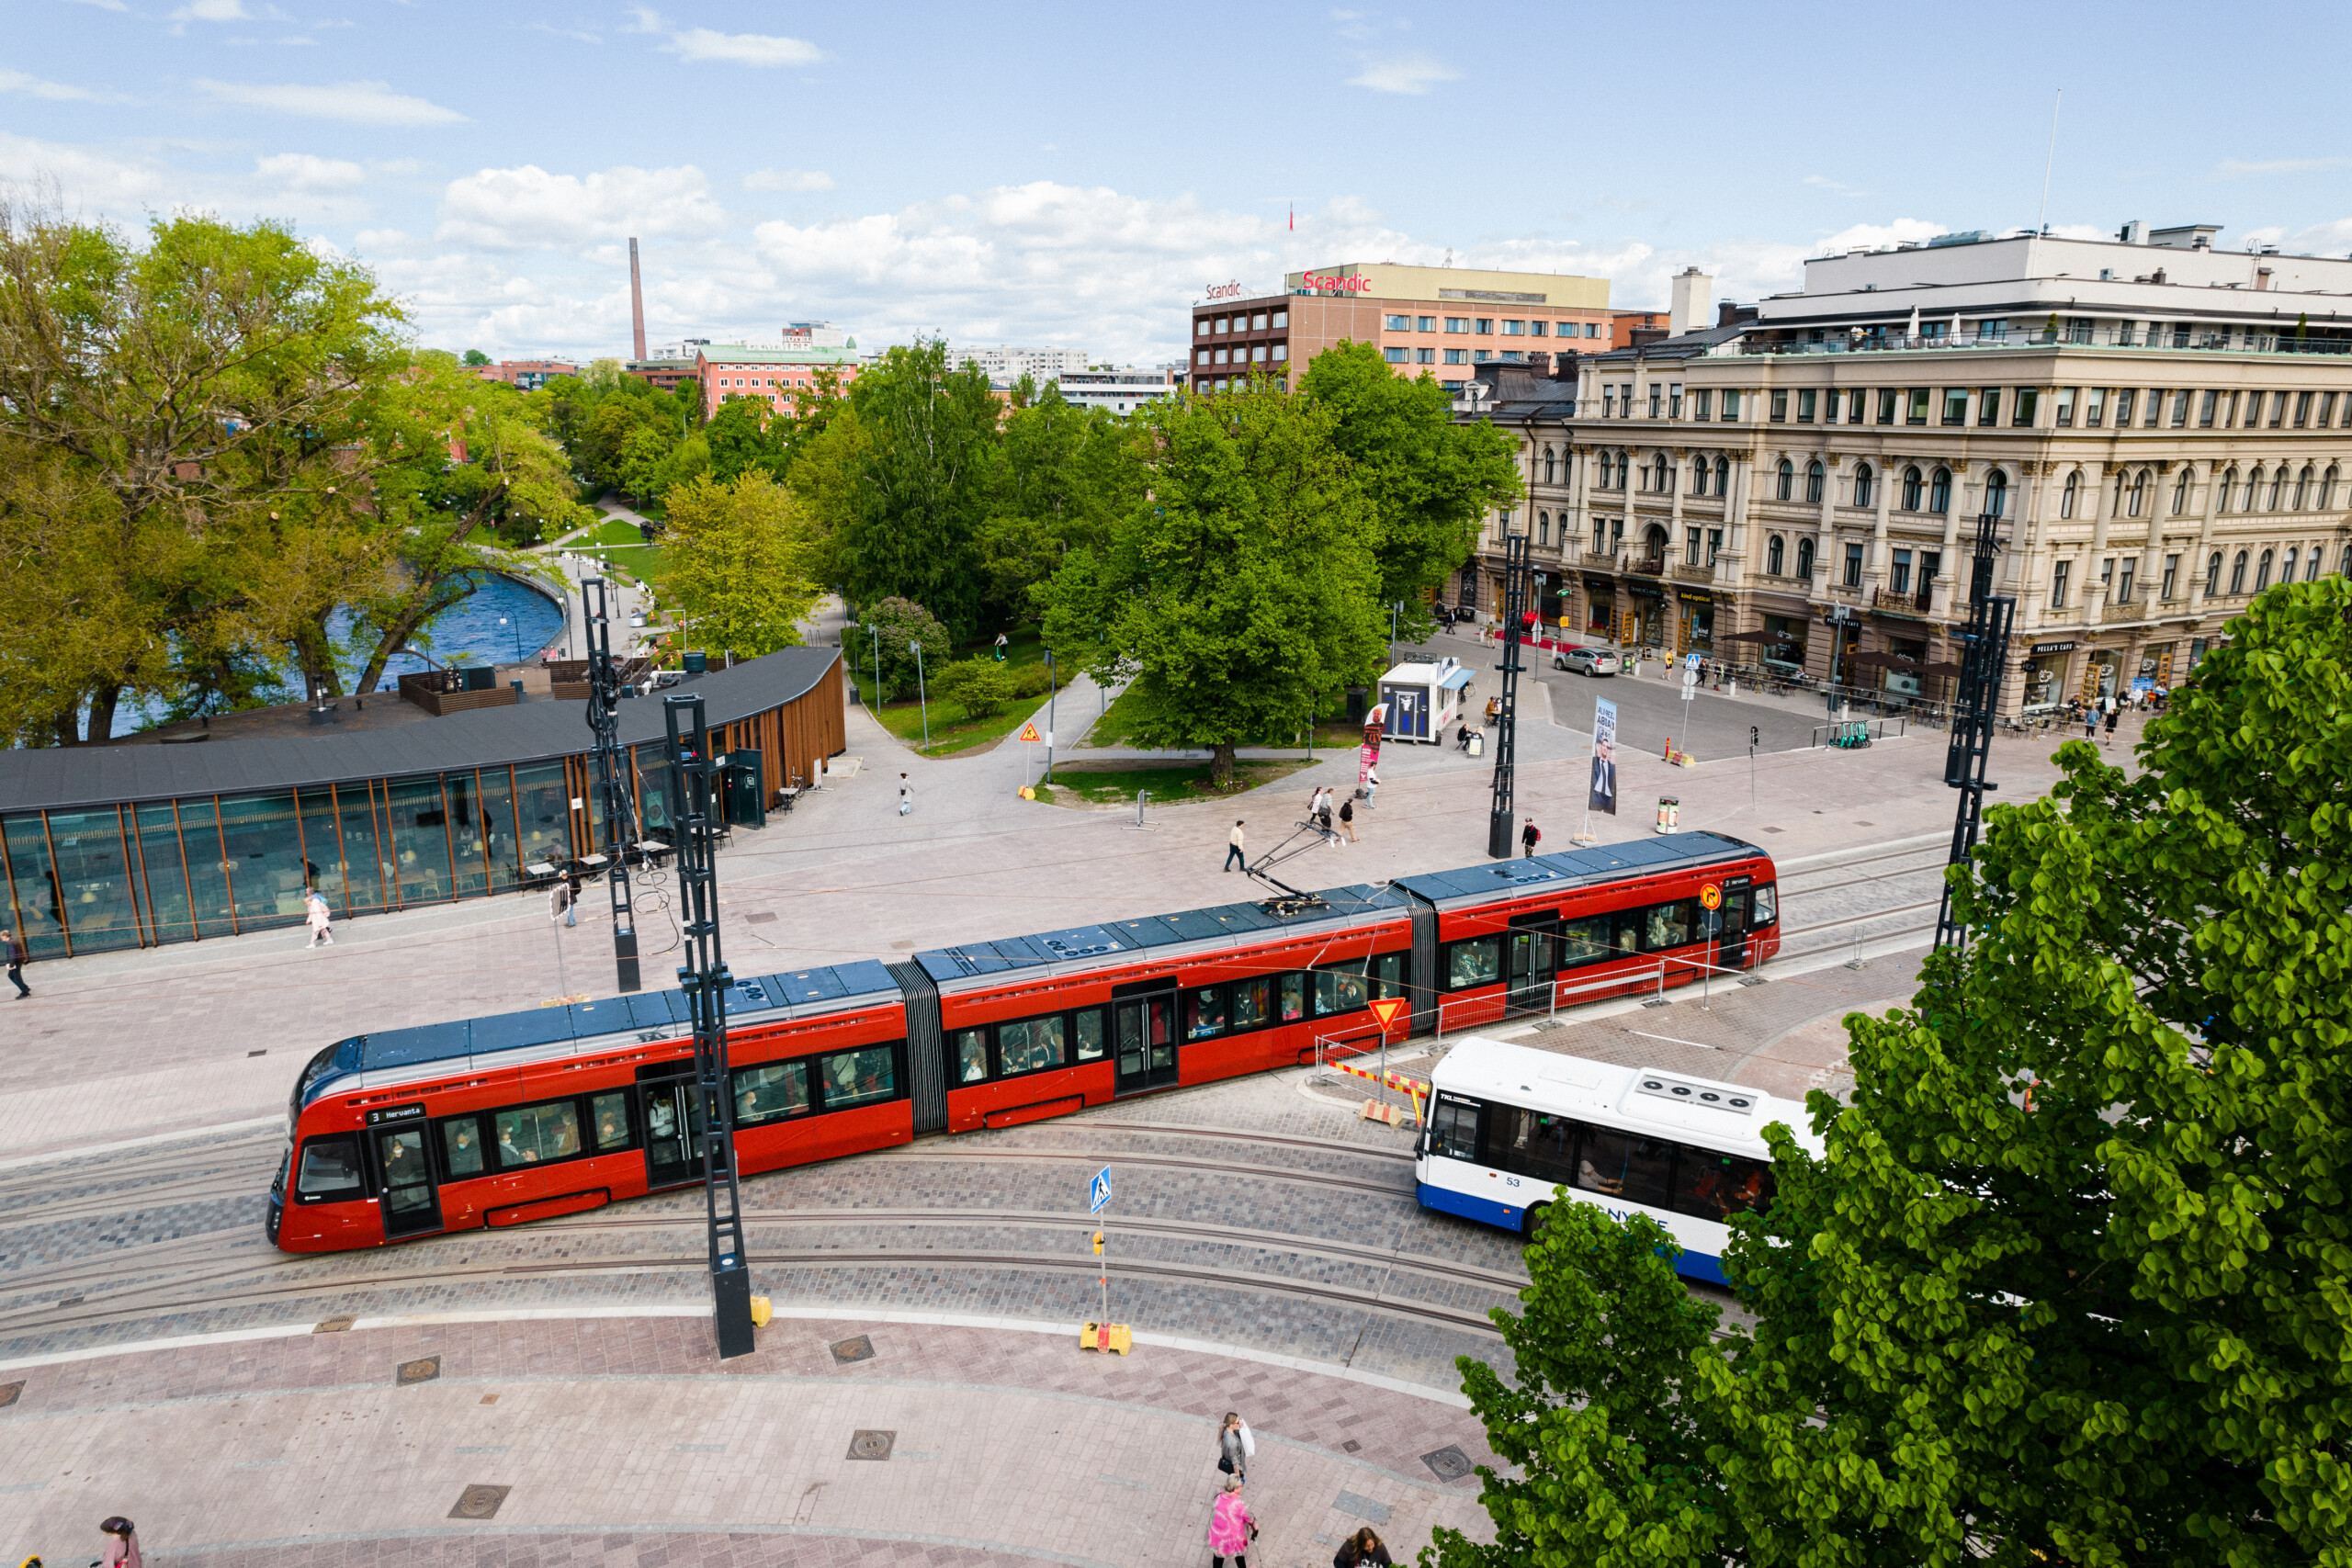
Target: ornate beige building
{"x": 2164, "y": 428}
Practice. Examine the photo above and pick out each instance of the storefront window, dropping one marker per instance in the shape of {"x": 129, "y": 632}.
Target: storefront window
{"x": 467, "y": 872}
{"x": 545, "y": 812}
{"x": 420, "y": 839}
{"x": 321, "y": 844}
{"x": 94, "y": 879}
{"x": 497, "y": 786}
{"x": 164, "y": 874}
{"x": 367, "y": 858}
{"x": 263, "y": 851}
{"x": 208, "y": 865}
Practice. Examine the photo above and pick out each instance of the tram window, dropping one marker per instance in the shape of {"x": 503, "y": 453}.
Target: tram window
{"x": 330, "y": 1168}
{"x": 1204, "y": 1012}
{"x": 1090, "y": 1034}
{"x": 971, "y": 1055}
{"x": 1294, "y": 996}
{"x": 1713, "y": 1187}
{"x": 1454, "y": 1131}
{"x": 537, "y": 1133}
{"x": 1587, "y": 940}
{"x": 1388, "y": 975}
{"x": 1534, "y": 1143}
{"x": 1766, "y": 907}
{"x": 461, "y": 1146}
{"x": 770, "y": 1093}
{"x": 859, "y": 1077}
{"x": 1340, "y": 989}
{"x": 1636, "y": 1170}
{"x": 1253, "y": 1003}
{"x": 1629, "y": 931}
{"x": 609, "y": 1115}
{"x": 1477, "y": 962}
{"x": 1030, "y": 1046}
{"x": 1666, "y": 925}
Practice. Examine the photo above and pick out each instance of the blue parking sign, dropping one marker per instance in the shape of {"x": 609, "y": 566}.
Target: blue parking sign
{"x": 1098, "y": 1191}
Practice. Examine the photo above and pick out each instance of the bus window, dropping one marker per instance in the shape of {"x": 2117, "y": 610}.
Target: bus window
{"x": 1767, "y": 907}
{"x": 1666, "y": 925}
{"x": 971, "y": 1055}
{"x": 1587, "y": 940}
{"x": 1622, "y": 1166}
{"x": 1538, "y": 1145}
{"x": 1204, "y": 1012}
{"x": 1090, "y": 1034}
{"x": 1252, "y": 1000}
{"x": 1477, "y": 962}
{"x": 330, "y": 1169}
{"x": 1713, "y": 1187}
{"x": 1453, "y": 1130}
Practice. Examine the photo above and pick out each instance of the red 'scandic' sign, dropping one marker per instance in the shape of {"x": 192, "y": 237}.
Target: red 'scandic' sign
{"x": 1225, "y": 291}
{"x": 1344, "y": 284}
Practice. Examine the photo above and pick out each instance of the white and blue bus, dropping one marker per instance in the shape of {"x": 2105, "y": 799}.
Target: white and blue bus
{"x": 1512, "y": 1131}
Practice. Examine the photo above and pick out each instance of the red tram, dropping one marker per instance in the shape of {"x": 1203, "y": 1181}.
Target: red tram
{"x": 498, "y": 1121}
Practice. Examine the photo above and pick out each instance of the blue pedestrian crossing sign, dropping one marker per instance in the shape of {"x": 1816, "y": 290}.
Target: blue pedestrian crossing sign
{"x": 1098, "y": 1191}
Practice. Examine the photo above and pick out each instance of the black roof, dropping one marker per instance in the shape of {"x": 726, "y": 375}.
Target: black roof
{"x": 102, "y": 775}
{"x": 1576, "y": 868}
{"x": 1687, "y": 345}
{"x": 1007, "y": 953}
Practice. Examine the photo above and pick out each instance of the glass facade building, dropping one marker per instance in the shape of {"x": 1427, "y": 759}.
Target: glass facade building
{"x": 89, "y": 874}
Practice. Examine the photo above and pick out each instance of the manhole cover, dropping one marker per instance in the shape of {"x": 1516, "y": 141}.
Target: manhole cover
{"x": 867, "y": 1443}
{"x": 424, "y": 1370}
{"x": 333, "y": 1325}
{"x": 758, "y": 917}
{"x": 1352, "y": 1445}
{"x": 9, "y": 1393}
{"x": 1755, "y": 980}
{"x": 480, "y": 1502}
{"x": 858, "y": 1349}
{"x": 1449, "y": 1464}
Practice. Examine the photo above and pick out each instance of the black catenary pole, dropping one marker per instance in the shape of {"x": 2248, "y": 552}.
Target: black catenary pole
{"x": 1985, "y": 654}
{"x": 612, "y": 779}
{"x": 1498, "y": 820}
{"x": 703, "y": 978}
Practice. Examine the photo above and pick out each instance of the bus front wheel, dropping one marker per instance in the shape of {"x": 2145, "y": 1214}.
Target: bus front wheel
{"x": 1531, "y": 1224}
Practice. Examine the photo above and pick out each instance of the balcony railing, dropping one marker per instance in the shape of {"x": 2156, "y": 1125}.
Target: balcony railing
{"x": 1648, "y": 565}
{"x": 2102, "y": 336}
{"x": 1915, "y": 600}
{"x": 1601, "y": 560}
{"x": 1685, "y": 572}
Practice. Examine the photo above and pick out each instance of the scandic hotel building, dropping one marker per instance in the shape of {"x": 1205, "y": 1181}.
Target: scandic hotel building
{"x": 1433, "y": 321}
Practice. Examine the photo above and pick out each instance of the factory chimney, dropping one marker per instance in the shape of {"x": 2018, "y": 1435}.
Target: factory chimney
{"x": 635, "y": 301}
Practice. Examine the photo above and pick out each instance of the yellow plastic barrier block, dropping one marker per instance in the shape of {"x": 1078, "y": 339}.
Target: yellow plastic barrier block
{"x": 760, "y": 1311}
{"x": 1110, "y": 1337}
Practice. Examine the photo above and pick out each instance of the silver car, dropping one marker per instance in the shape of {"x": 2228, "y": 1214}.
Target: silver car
{"x": 1586, "y": 660}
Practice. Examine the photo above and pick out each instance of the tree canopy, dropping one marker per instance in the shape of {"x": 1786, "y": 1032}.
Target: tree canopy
{"x": 737, "y": 563}
{"x": 2072, "y": 1281}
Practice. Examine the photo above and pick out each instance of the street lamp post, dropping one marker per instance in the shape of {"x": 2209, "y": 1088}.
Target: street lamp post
{"x": 1049, "y": 716}
{"x": 922, "y": 697}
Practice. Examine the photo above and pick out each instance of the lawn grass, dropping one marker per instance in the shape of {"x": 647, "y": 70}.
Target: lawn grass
{"x": 1114, "y": 784}
{"x": 951, "y": 730}
{"x": 1330, "y": 734}
{"x": 625, "y": 549}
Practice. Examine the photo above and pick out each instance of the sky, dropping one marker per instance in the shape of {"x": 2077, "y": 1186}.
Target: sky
{"x": 1076, "y": 176}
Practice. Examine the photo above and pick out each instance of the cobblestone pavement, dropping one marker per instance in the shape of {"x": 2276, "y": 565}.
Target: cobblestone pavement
{"x": 621, "y": 1440}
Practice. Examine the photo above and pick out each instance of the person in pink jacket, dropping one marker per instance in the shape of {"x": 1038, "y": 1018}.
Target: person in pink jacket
{"x": 122, "y": 1542}
{"x": 1230, "y": 1526}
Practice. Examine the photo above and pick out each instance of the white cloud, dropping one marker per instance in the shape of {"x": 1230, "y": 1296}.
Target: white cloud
{"x": 787, "y": 179}
{"x": 1404, "y": 73}
{"x": 528, "y": 208}
{"x": 355, "y": 103}
{"x": 303, "y": 171}
{"x": 697, "y": 45}
{"x": 213, "y": 11}
{"x": 58, "y": 92}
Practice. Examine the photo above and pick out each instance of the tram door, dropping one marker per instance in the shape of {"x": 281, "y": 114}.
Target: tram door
{"x": 674, "y": 1125}
{"x": 1531, "y": 962}
{"x": 410, "y": 1205}
{"x": 1147, "y": 1035}
{"x": 1731, "y": 941}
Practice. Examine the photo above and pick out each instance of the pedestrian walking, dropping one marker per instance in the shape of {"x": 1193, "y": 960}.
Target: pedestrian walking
{"x": 2113, "y": 713}
{"x": 122, "y": 1543}
{"x": 2090, "y": 721}
{"x": 318, "y": 917}
{"x": 18, "y": 956}
{"x": 1234, "y": 1446}
{"x": 1323, "y": 818}
{"x": 1362, "y": 1550}
{"x": 1371, "y": 787}
{"x": 1231, "y": 1526}
{"x": 1348, "y": 819}
{"x": 1233, "y": 848}
{"x": 906, "y": 797}
{"x": 1529, "y": 837}
{"x": 560, "y": 901}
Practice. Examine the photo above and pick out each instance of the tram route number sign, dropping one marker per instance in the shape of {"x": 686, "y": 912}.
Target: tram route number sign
{"x": 1098, "y": 1191}
{"x": 410, "y": 1113}
{"x": 1711, "y": 897}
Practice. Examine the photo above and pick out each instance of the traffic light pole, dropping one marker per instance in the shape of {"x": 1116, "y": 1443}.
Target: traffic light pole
{"x": 612, "y": 779}
{"x": 1985, "y": 659}
{"x": 1498, "y": 819}
{"x": 703, "y": 978}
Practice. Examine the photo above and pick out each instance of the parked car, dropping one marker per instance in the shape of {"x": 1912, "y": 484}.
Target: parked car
{"x": 1587, "y": 661}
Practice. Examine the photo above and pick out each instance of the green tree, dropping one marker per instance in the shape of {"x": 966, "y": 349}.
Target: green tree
{"x": 1610, "y": 1454}
{"x": 1432, "y": 479}
{"x": 979, "y": 686}
{"x": 1241, "y": 590}
{"x": 922, "y": 487}
{"x": 1062, "y": 474}
{"x": 735, "y": 555}
{"x": 740, "y": 442}
{"x": 898, "y": 626}
{"x": 475, "y": 357}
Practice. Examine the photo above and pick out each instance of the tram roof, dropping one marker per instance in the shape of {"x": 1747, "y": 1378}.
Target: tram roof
{"x": 1007, "y": 955}
{"x": 386, "y": 1049}
{"x": 1577, "y": 868}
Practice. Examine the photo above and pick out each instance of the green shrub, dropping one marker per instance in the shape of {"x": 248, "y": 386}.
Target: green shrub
{"x": 981, "y": 687}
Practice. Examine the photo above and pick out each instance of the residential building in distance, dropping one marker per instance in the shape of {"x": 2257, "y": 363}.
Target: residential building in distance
{"x": 1433, "y": 321}
{"x": 1122, "y": 390}
{"x": 2163, "y": 428}
{"x": 780, "y": 372}
{"x": 1005, "y": 366}
{"x": 527, "y": 374}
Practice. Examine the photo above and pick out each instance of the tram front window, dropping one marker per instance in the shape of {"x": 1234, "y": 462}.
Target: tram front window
{"x": 330, "y": 1169}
